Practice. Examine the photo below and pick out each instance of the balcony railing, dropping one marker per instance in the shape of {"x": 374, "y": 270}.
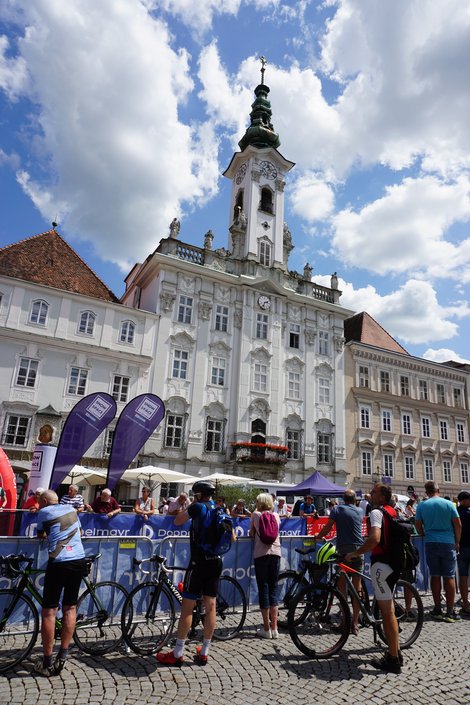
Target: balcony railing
{"x": 259, "y": 453}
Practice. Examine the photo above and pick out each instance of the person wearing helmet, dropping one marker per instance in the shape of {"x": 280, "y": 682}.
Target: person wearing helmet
{"x": 202, "y": 578}
{"x": 348, "y": 521}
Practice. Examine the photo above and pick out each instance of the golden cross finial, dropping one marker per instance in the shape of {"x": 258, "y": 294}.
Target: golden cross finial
{"x": 263, "y": 67}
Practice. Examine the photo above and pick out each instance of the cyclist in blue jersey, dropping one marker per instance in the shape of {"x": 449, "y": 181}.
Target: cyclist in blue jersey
{"x": 59, "y": 525}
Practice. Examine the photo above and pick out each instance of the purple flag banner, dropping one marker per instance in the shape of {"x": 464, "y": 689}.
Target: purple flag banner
{"x": 88, "y": 418}
{"x": 138, "y": 420}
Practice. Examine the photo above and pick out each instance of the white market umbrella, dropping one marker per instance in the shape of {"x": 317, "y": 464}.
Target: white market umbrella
{"x": 219, "y": 478}
{"x": 153, "y": 476}
{"x": 80, "y": 475}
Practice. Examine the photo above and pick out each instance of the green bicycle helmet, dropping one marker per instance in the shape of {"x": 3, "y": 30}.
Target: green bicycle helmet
{"x": 325, "y": 553}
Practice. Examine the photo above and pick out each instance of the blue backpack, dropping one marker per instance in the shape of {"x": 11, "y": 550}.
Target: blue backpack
{"x": 215, "y": 532}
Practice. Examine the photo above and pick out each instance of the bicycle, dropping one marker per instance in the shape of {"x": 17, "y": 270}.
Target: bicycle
{"x": 319, "y": 617}
{"x": 290, "y": 582}
{"x": 148, "y": 617}
{"x": 97, "y": 629}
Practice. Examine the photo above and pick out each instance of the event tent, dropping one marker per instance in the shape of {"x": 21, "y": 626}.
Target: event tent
{"x": 317, "y": 485}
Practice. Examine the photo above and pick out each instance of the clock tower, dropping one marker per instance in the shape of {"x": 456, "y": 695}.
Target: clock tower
{"x": 258, "y": 173}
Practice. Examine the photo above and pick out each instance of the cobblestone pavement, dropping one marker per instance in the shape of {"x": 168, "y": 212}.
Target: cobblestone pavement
{"x": 249, "y": 671}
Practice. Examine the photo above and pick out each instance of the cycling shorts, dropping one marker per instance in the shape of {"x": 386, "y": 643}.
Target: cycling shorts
{"x": 66, "y": 576}
{"x": 384, "y": 579}
{"x": 202, "y": 578}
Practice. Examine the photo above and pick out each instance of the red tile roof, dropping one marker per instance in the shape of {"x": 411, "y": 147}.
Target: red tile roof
{"x": 49, "y": 260}
{"x": 362, "y": 328}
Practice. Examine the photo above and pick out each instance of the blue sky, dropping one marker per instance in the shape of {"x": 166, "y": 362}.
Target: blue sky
{"x": 117, "y": 115}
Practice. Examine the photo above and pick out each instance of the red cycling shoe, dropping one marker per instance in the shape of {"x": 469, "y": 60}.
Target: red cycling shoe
{"x": 200, "y": 659}
{"x": 169, "y": 659}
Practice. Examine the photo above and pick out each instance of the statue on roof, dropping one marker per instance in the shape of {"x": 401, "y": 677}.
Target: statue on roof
{"x": 175, "y": 228}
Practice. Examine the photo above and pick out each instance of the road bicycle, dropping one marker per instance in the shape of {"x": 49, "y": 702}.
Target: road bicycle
{"x": 290, "y": 582}
{"x": 98, "y": 612}
{"x": 148, "y": 617}
{"x": 319, "y": 617}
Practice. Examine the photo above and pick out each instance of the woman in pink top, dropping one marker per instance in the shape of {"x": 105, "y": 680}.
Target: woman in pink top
{"x": 267, "y": 562}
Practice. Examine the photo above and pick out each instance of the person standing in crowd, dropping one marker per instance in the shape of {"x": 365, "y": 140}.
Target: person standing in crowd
{"x": 410, "y": 511}
{"x": 282, "y": 509}
{"x": 308, "y": 508}
{"x": 364, "y": 504}
{"x": 73, "y": 499}
{"x": 179, "y": 505}
{"x": 384, "y": 576}
{"x": 296, "y": 507}
{"x": 144, "y": 505}
{"x": 32, "y": 503}
{"x": 348, "y": 520}
{"x": 239, "y": 511}
{"x": 463, "y": 559}
{"x": 106, "y": 504}
{"x": 220, "y": 504}
{"x": 267, "y": 559}
{"x": 202, "y": 578}
{"x": 438, "y": 521}
{"x": 58, "y": 523}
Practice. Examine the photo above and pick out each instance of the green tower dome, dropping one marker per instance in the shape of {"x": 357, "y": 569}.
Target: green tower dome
{"x": 260, "y": 133}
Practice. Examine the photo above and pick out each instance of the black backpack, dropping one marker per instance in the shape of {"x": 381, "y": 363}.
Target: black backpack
{"x": 400, "y": 552}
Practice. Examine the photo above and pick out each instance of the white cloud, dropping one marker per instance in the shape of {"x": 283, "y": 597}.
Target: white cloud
{"x": 444, "y": 355}
{"x": 411, "y": 314}
{"x": 13, "y": 72}
{"x": 311, "y": 197}
{"x": 403, "y": 231}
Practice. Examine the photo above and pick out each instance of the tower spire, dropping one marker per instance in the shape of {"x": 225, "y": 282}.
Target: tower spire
{"x": 261, "y": 132}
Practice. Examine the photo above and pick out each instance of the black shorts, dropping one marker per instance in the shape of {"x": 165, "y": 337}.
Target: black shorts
{"x": 66, "y": 576}
{"x": 202, "y": 578}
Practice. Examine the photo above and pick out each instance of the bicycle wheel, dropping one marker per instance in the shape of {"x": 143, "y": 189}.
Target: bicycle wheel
{"x": 98, "y": 628}
{"x": 319, "y": 621}
{"x": 408, "y": 611}
{"x": 364, "y": 595}
{"x": 288, "y": 584}
{"x": 148, "y": 618}
{"x": 19, "y": 628}
{"x": 230, "y": 609}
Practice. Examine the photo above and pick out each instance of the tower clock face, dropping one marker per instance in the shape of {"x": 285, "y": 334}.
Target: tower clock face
{"x": 240, "y": 175}
{"x": 268, "y": 170}
{"x": 264, "y": 302}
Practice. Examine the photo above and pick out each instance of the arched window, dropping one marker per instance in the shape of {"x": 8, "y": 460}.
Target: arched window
{"x": 87, "y": 323}
{"x": 258, "y": 435}
{"x": 127, "y": 332}
{"x": 266, "y": 200}
{"x": 39, "y": 311}
{"x": 238, "y": 204}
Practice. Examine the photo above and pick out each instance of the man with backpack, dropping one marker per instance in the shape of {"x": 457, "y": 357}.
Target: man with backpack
{"x": 210, "y": 535}
{"x": 383, "y": 572}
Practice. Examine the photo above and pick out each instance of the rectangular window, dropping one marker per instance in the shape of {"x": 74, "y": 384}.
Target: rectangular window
{"x": 180, "y": 364}
{"x": 384, "y": 381}
{"x": 185, "y": 309}
{"x": 406, "y": 424}
{"x": 460, "y": 432}
{"x": 218, "y": 371}
{"x": 428, "y": 469}
{"x": 323, "y": 390}
{"x": 426, "y": 427}
{"x": 265, "y": 253}
{"x": 293, "y": 444}
{"x": 39, "y": 312}
{"x": 443, "y": 430}
{"x": 120, "y": 388}
{"x": 404, "y": 386}
{"x": 386, "y": 420}
{"x": 214, "y": 435}
{"x": 366, "y": 462}
{"x": 423, "y": 389}
{"x": 262, "y": 320}
{"x": 27, "y": 373}
{"x": 108, "y": 441}
{"x": 174, "y": 431}
{"x": 294, "y": 385}
{"x": 388, "y": 464}
{"x": 77, "y": 381}
{"x": 260, "y": 377}
{"x": 457, "y": 397}
{"x": 323, "y": 343}
{"x": 363, "y": 376}
{"x": 365, "y": 416}
{"x": 221, "y": 318}
{"x": 441, "y": 394}
{"x": 324, "y": 448}
{"x": 294, "y": 335}
{"x": 409, "y": 467}
{"x": 464, "y": 473}
{"x": 446, "y": 471}
{"x": 16, "y": 430}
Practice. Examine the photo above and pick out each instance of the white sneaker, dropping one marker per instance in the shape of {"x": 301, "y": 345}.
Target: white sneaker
{"x": 274, "y": 634}
{"x": 263, "y": 634}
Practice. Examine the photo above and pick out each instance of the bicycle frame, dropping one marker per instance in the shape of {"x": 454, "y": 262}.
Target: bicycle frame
{"x": 341, "y": 569}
